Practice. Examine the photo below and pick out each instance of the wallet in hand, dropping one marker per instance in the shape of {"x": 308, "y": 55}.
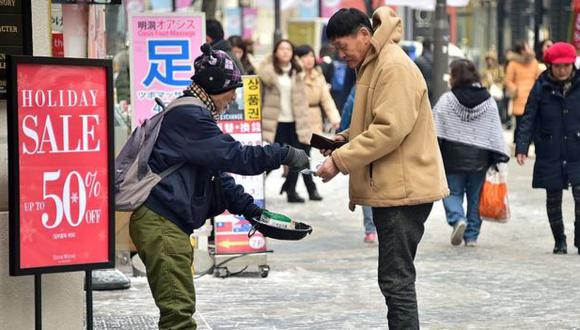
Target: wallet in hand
{"x": 320, "y": 142}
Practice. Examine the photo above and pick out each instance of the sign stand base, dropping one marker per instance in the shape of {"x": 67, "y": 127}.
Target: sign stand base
{"x": 89, "y": 298}
{"x": 37, "y": 302}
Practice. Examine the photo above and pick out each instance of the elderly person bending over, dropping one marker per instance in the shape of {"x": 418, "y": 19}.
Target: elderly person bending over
{"x": 199, "y": 189}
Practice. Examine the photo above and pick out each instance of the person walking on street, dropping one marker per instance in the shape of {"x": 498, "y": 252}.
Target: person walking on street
{"x": 425, "y": 64}
{"x": 552, "y": 122}
{"x": 370, "y": 229}
{"x": 471, "y": 139}
{"x": 493, "y": 78}
{"x": 240, "y": 51}
{"x": 521, "y": 74}
{"x": 285, "y": 113}
{"x": 392, "y": 155}
{"x": 541, "y": 53}
{"x": 199, "y": 188}
{"x": 215, "y": 37}
{"x": 319, "y": 99}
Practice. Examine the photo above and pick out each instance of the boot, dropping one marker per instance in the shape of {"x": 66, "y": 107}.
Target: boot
{"x": 560, "y": 246}
{"x": 283, "y": 188}
{"x": 293, "y": 197}
{"x": 313, "y": 194}
{"x": 289, "y": 187}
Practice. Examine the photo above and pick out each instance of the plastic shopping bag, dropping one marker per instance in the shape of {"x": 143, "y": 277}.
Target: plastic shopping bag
{"x": 493, "y": 202}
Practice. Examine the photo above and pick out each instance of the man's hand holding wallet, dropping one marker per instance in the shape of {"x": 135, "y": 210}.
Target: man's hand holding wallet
{"x": 327, "y": 170}
{"x": 326, "y": 145}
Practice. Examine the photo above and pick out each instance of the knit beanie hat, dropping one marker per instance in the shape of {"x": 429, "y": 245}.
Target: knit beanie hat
{"x": 215, "y": 71}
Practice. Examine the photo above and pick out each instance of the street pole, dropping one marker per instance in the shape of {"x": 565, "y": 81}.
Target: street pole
{"x": 369, "y": 6}
{"x": 277, "y": 31}
{"x": 440, "y": 52}
{"x": 538, "y": 6}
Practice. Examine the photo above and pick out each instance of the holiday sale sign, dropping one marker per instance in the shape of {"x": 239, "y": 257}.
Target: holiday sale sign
{"x": 60, "y": 164}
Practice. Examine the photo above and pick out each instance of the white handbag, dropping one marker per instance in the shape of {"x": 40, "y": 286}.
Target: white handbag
{"x": 494, "y": 89}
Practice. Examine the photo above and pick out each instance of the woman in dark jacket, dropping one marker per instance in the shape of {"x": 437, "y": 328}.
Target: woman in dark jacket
{"x": 200, "y": 187}
{"x": 240, "y": 50}
{"x": 471, "y": 139}
{"x": 552, "y": 121}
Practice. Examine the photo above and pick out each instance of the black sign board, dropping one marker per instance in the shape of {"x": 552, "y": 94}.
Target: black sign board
{"x": 87, "y": 2}
{"x": 11, "y": 30}
{"x": 423, "y": 24}
{"x": 15, "y": 34}
{"x": 10, "y": 6}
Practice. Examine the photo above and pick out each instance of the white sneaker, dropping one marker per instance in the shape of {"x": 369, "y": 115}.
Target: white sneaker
{"x": 471, "y": 243}
{"x": 457, "y": 233}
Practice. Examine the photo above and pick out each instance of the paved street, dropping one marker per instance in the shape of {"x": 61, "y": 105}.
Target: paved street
{"x": 328, "y": 280}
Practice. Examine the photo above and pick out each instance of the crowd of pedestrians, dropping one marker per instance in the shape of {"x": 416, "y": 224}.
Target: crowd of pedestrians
{"x": 404, "y": 148}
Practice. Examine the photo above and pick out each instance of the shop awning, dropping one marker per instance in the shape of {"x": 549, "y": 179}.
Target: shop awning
{"x": 425, "y": 4}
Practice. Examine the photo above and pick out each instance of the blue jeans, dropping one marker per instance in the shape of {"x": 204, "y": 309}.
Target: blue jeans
{"x": 464, "y": 184}
{"x": 368, "y": 220}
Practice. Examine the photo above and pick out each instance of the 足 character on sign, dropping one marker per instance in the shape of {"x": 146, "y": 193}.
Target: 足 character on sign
{"x": 158, "y": 51}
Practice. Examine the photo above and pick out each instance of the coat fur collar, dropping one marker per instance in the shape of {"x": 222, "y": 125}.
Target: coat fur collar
{"x": 268, "y": 74}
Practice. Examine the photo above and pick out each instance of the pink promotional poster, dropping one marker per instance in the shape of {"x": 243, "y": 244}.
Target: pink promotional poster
{"x": 163, "y": 48}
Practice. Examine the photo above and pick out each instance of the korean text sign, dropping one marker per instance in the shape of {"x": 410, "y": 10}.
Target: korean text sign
{"x": 60, "y": 165}
{"x": 243, "y": 122}
{"x": 163, "y": 49}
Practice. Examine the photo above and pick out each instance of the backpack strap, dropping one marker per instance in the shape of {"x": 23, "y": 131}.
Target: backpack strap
{"x": 170, "y": 170}
{"x": 185, "y": 100}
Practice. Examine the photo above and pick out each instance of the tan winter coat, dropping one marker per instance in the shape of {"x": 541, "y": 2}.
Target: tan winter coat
{"x": 271, "y": 103}
{"x": 521, "y": 74}
{"x": 319, "y": 98}
{"x": 392, "y": 157}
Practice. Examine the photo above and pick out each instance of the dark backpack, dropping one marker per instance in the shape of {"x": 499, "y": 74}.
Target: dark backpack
{"x": 134, "y": 179}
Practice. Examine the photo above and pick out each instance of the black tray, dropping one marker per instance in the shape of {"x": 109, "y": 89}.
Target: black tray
{"x": 267, "y": 230}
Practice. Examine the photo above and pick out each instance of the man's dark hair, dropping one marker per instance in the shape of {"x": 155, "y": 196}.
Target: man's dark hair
{"x": 304, "y": 50}
{"x": 463, "y": 73}
{"x": 214, "y": 29}
{"x": 427, "y": 45}
{"x": 347, "y": 21}
{"x": 520, "y": 47}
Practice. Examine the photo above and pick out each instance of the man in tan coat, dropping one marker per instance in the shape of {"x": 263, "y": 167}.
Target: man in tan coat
{"x": 392, "y": 157}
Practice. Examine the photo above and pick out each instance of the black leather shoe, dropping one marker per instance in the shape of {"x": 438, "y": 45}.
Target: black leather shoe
{"x": 293, "y": 197}
{"x": 314, "y": 195}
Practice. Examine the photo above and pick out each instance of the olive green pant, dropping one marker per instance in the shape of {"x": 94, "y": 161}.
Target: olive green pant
{"x": 167, "y": 254}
